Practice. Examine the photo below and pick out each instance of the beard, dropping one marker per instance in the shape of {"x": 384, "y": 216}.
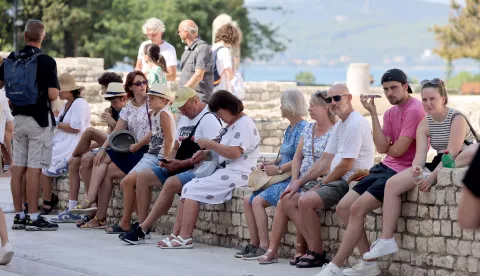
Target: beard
{"x": 394, "y": 101}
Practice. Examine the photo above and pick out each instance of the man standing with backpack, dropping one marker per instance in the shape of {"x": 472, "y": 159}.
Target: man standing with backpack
{"x": 31, "y": 83}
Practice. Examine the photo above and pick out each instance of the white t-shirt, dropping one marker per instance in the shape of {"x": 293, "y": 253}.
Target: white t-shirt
{"x": 5, "y": 114}
{"x": 166, "y": 50}
{"x": 208, "y": 128}
{"x": 352, "y": 139}
{"x": 224, "y": 61}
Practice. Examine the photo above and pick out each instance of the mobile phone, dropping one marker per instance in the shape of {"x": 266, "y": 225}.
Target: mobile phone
{"x": 373, "y": 96}
{"x": 163, "y": 160}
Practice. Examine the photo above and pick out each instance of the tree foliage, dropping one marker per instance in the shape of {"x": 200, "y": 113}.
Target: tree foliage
{"x": 111, "y": 29}
{"x": 305, "y": 77}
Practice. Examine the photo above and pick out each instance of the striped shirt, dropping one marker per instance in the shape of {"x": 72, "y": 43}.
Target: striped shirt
{"x": 440, "y": 131}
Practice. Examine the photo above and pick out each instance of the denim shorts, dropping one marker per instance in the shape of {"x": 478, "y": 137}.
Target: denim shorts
{"x": 163, "y": 175}
{"x": 148, "y": 161}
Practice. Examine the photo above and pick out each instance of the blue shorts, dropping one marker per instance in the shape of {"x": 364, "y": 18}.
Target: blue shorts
{"x": 148, "y": 161}
{"x": 163, "y": 174}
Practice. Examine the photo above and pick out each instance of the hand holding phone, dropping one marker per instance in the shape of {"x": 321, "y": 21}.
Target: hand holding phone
{"x": 163, "y": 160}
{"x": 372, "y": 96}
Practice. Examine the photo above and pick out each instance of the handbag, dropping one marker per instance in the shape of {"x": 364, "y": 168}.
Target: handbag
{"x": 208, "y": 167}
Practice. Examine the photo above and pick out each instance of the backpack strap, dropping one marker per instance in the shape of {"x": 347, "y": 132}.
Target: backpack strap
{"x": 34, "y": 57}
{"x": 195, "y": 128}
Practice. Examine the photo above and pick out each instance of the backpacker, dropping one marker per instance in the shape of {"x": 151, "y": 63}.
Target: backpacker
{"x": 217, "y": 77}
{"x": 20, "y": 77}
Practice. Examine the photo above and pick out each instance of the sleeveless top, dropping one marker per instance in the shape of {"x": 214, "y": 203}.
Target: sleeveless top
{"x": 440, "y": 131}
{"x": 156, "y": 145}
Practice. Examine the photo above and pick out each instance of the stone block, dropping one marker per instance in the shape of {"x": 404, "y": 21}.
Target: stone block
{"x": 427, "y": 197}
{"x": 450, "y": 196}
{"x": 464, "y": 248}
{"x": 395, "y": 269}
{"x": 452, "y": 246}
{"x": 461, "y": 264}
{"x": 433, "y": 211}
{"x": 407, "y": 269}
{"x": 409, "y": 209}
{"x": 472, "y": 265}
{"x": 413, "y": 226}
{"x": 423, "y": 211}
{"x": 420, "y": 272}
{"x": 476, "y": 250}
{"x": 443, "y": 261}
{"x": 333, "y": 233}
{"x": 453, "y": 211}
{"x": 426, "y": 227}
{"x": 446, "y": 228}
{"x": 436, "y": 245}
{"x": 443, "y": 212}
{"x": 370, "y": 222}
{"x": 422, "y": 245}
{"x": 408, "y": 242}
{"x": 468, "y": 234}
{"x": 225, "y": 218}
{"x": 271, "y": 141}
{"x": 400, "y": 225}
{"x": 444, "y": 177}
{"x": 436, "y": 227}
{"x": 456, "y": 230}
{"x": 412, "y": 195}
{"x": 440, "y": 197}
{"x": 458, "y": 175}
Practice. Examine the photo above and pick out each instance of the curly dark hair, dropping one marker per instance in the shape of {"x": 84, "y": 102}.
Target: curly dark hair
{"x": 108, "y": 77}
{"x": 129, "y": 82}
{"x": 223, "y": 99}
{"x": 228, "y": 34}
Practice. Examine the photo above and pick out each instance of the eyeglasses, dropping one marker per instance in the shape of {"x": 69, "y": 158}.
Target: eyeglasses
{"x": 140, "y": 83}
{"x": 321, "y": 94}
{"x": 336, "y": 98}
{"x": 435, "y": 81}
{"x": 181, "y": 31}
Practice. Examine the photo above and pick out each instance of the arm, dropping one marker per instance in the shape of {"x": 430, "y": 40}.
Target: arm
{"x": 340, "y": 170}
{"x": 167, "y": 128}
{"x": 195, "y": 79}
{"x": 318, "y": 168}
{"x": 382, "y": 142}
{"x": 52, "y": 93}
{"x": 421, "y": 145}
{"x": 172, "y": 73}
{"x": 67, "y": 128}
{"x": 297, "y": 160}
{"x": 411, "y": 121}
{"x": 138, "y": 65}
{"x": 226, "y": 151}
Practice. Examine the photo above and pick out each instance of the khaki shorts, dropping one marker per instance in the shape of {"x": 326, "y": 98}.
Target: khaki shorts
{"x": 330, "y": 193}
{"x": 32, "y": 144}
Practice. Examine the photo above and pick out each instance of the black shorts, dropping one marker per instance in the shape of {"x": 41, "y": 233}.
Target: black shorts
{"x": 375, "y": 182}
{"x": 436, "y": 160}
{"x": 471, "y": 179}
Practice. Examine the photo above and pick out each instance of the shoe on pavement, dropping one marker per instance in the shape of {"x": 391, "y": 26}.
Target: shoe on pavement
{"x": 256, "y": 254}
{"x": 381, "y": 247}
{"x": 134, "y": 236}
{"x": 6, "y": 254}
{"x": 66, "y": 217}
{"x": 8, "y": 209}
{"x": 18, "y": 223}
{"x": 330, "y": 269}
{"x": 41, "y": 224}
{"x": 245, "y": 251}
{"x": 361, "y": 269}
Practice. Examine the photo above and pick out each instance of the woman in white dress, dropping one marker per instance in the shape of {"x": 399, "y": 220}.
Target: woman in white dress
{"x": 237, "y": 149}
{"x": 72, "y": 121}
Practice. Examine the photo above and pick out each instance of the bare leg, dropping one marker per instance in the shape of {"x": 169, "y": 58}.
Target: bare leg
{"x": 189, "y": 219}
{"x": 74, "y": 177}
{"x": 164, "y": 202}
{"x": 291, "y": 208}
{"x": 128, "y": 187}
{"x": 308, "y": 204}
{"x": 85, "y": 141}
{"x": 259, "y": 204}
{"x": 47, "y": 188}
{"x": 16, "y": 185}
{"x": 355, "y": 234}
{"x": 98, "y": 176}
{"x": 147, "y": 179}
{"x": 251, "y": 223}
{"x": 3, "y": 228}
{"x": 106, "y": 190}
{"x": 468, "y": 212}
{"x": 33, "y": 184}
{"x": 86, "y": 168}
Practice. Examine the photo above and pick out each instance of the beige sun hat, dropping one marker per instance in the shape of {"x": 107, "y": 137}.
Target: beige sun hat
{"x": 161, "y": 90}
{"x": 67, "y": 83}
{"x": 115, "y": 89}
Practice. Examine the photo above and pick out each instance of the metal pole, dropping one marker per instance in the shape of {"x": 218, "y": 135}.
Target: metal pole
{"x": 15, "y": 38}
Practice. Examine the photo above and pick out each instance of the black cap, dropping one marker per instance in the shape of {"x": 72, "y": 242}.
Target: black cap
{"x": 396, "y": 75}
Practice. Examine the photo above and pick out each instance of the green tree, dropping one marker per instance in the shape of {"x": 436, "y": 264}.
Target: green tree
{"x": 305, "y": 77}
{"x": 460, "y": 38}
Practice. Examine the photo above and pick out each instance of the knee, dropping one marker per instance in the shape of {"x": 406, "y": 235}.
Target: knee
{"x": 89, "y": 131}
{"x": 357, "y": 210}
{"x": 87, "y": 160}
{"x": 246, "y": 200}
{"x": 74, "y": 162}
{"x": 342, "y": 208}
{"x": 172, "y": 185}
{"x": 308, "y": 201}
{"x": 259, "y": 202}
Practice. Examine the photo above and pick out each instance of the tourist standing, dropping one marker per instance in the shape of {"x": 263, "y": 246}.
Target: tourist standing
{"x": 223, "y": 72}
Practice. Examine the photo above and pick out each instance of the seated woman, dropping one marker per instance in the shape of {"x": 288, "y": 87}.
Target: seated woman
{"x": 293, "y": 107}
{"x": 310, "y": 148}
{"x": 108, "y": 164}
{"x": 237, "y": 149}
{"x": 161, "y": 144}
{"x": 446, "y": 129}
{"x": 73, "y": 120}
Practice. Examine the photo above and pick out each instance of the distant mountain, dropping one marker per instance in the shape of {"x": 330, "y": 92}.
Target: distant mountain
{"x": 373, "y": 31}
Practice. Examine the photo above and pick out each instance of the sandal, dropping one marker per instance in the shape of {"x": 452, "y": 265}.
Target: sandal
{"x": 268, "y": 258}
{"x": 81, "y": 210}
{"x": 102, "y": 224}
{"x": 317, "y": 261}
{"x": 166, "y": 241}
{"x": 52, "y": 203}
{"x": 85, "y": 219}
{"x": 182, "y": 244}
{"x": 116, "y": 229}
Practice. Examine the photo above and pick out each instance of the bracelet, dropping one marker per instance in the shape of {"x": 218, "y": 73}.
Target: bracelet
{"x": 101, "y": 148}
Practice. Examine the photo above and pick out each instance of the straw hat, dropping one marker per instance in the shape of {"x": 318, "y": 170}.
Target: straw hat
{"x": 259, "y": 179}
{"x": 162, "y": 91}
{"x": 115, "y": 89}
{"x": 67, "y": 83}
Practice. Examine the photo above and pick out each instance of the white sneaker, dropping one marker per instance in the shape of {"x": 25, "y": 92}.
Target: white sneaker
{"x": 6, "y": 254}
{"x": 361, "y": 269}
{"x": 381, "y": 248}
{"x": 8, "y": 209}
{"x": 330, "y": 269}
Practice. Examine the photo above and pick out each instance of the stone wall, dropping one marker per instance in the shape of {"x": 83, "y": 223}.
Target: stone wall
{"x": 430, "y": 238}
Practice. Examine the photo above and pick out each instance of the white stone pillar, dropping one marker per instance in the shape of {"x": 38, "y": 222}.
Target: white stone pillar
{"x": 358, "y": 78}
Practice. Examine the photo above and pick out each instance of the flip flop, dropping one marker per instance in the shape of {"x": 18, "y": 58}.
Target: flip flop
{"x": 101, "y": 224}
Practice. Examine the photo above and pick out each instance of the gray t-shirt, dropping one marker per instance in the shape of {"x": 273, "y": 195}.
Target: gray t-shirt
{"x": 198, "y": 56}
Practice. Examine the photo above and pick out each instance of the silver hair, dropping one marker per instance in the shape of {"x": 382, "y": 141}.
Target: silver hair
{"x": 153, "y": 24}
{"x": 294, "y": 102}
{"x": 35, "y": 30}
{"x": 192, "y": 30}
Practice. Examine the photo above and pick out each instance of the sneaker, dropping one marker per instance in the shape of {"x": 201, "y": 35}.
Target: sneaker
{"x": 66, "y": 217}
{"x": 148, "y": 236}
{"x": 8, "y": 209}
{"x": 245, "y": 251}
{"x": 6, "y": 254}
{"x": 134, "y": 236}
{"x": 255, "y": 254}
{"x": 60, "y": 169}
{"x": 381, "y": 247}
{"x": 361, "y": 269}
{"x": 330, "y": 269}
{"x": 41, "y": 224}
{"x": 18, "y": 223}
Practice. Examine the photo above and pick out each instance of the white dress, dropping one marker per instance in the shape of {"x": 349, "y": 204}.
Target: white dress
{"x": 78, "y": 117}
{"x": 217, "y": 188}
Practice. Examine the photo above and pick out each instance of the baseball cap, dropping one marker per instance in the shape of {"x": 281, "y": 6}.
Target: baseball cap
{"x": 396, "y": 75}
{"x": 182, "y": 96}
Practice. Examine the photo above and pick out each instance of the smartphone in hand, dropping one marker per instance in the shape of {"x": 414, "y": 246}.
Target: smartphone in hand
{"x": 163, "y": 160}
{"x": 373, "y": 96}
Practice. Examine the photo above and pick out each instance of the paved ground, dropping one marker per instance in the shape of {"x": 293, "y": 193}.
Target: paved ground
{"x": 70, "y": 251}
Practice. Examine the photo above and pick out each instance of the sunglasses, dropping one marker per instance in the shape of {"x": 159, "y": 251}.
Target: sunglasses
{"x": 434, "y": 81}
{"x": 140, "y": 83}
{"x": 220, "y": 135}
{"x": 321, "y": 94}
{"x": 334, "y": 98}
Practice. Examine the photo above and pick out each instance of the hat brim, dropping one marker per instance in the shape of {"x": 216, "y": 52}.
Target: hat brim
{"x": 107, "y": 96}
{"x": 69, "y": 88}
{"x": 121, "y": 147}
{"x": 170, "y": 98}
{"x": 177, "y": 104}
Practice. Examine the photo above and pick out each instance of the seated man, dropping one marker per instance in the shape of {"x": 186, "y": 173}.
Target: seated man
{"x": 397, "y": 140}
{"x": 349, "y": 149}
{"x": 81, "y": 162}
{"x": 196, "y": 123}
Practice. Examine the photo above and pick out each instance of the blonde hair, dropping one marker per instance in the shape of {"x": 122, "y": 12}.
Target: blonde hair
{"x": 318, "y": 98}
{"x": 294, "y": 102}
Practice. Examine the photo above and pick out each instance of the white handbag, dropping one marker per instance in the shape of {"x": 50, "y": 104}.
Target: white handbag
{"x": 207, "y": 168}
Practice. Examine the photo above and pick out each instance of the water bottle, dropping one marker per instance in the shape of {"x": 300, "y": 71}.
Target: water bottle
{"x": 447, "y": 160}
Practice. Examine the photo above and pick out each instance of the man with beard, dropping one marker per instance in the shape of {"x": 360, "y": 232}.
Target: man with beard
{"x": 397, "y": 140}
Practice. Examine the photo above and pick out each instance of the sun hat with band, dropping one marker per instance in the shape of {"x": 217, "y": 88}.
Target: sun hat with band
{"x": 67, "y": 83}
{"x": 162, "y": 91}
{"x": 114, "y": 89}
{"x": 396, "y": 75}
{"x": 183, "y": 95}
